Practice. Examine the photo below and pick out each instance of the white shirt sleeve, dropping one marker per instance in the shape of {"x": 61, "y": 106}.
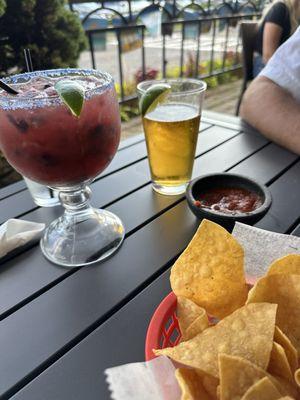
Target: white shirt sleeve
{"x": 283, "y": 67}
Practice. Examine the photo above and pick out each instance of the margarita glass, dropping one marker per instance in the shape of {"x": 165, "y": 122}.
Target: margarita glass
{"x": 45, "y": 142}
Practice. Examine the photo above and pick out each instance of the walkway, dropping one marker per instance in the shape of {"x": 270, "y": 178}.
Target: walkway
{"x": 107, "y": 59}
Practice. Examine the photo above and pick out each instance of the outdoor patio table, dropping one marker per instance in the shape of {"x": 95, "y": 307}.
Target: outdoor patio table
{"x": 61, "y": 328}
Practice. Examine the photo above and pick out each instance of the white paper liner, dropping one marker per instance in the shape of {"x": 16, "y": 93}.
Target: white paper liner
{"x": 263, "y": 247}
{"x": 152, "y": 380}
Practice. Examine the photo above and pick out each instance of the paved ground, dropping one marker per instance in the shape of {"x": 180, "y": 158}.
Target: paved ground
{"x": 131, "y": 61}
{"x": 224, "y": 98}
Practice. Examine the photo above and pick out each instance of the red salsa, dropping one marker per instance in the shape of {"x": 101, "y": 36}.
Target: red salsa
{"x": 229, "y": 200}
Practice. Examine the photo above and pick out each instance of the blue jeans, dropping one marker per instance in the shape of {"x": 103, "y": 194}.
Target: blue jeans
{"x": 258, "y": 64}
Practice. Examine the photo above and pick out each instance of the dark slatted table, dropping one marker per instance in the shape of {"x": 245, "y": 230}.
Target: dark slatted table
{"x": 61, "y": 328}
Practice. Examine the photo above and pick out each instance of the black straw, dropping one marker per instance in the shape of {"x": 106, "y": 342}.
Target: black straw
{"x": 28, "y": 60}
{"x": 7, "y": 88}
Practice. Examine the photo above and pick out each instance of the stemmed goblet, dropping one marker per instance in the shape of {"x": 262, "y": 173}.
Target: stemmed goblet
{"x": 44, "y": 141}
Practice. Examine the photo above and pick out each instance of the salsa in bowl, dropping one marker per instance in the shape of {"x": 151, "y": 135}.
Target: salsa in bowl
{"x": 226, "y": 198}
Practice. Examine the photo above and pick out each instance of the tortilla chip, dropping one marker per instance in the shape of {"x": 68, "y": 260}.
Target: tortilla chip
{"x": 210, "y": 271}
{"x": 286, "y": 398}
{"x": 237, "y": 375}
{"x": 210, "y": 385}
{"x": 191, "y": 385}
{"x": 297, "y": 376}
{"x": 283, "y": 290}
{"x": 279, "y": 364}
{"x": 263, "y": 389}
{"x": 290, "y": 351}
{"x": 192, "y": 319}
{"x": 198, "y": 326}
{"x": 289, "y": 264}
{"x": 285, "y": 387}
{"x": 187, "y": 312}
{"x": 247, "y": 333}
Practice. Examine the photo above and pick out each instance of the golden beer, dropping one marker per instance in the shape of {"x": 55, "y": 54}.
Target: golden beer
{"x": 171, "y": 132}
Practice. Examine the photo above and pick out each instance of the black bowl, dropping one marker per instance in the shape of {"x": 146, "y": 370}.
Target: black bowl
{"x": 210, "y": 181}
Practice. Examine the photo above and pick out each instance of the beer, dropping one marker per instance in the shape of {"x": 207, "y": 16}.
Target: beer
{"x": 171, "y": 132}
{"x": 171, "y": 110}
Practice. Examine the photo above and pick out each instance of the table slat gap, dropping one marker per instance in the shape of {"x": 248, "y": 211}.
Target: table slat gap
{"x": 296, "y": 231}
{"x": 293, "y": 227}
{"x": 275, "y": 178}
{"x": 248, "y": 156}
{"x": 285, "y": 192}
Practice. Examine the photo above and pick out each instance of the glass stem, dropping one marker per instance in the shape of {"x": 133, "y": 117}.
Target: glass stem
{"x": 83, "y": 235}
{"x": 76, "y": 200}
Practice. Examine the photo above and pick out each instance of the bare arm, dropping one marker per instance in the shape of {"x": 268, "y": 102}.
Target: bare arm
{"x": 274, "y": 112}
{"x": 271, "y": 40}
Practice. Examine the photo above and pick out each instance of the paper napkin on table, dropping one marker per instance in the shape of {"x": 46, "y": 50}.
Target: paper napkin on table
{"x": 16, "y": 232}
{"x": 152, "y": 380}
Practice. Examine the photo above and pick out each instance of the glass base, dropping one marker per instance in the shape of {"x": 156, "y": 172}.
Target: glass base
{"x": 82, "y": 238}
{"x": 169, "y": 190}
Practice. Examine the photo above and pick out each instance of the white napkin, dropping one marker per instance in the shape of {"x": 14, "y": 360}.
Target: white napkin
{"x": 16, "y": 232}
{"x": 155, "y": 379}
{"x": 152, "y": 380}
{"x": 263, "y": 247}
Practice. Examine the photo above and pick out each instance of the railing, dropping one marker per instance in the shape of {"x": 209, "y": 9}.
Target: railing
{"x": 206, "y": 46}
{"x": 172, "y": 8}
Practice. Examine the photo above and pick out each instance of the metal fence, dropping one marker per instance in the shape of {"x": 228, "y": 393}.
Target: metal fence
{"x": 205, "y": 42}
{"x": 132, "y": 9}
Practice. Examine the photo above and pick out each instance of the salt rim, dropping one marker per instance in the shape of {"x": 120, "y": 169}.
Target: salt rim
{"x": 201, "y": 85}
{"x": 15, "y": 102}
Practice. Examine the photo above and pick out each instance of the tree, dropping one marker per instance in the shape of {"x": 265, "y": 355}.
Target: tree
{"x": 48, "y": 28}
{"x": 2, "y": 7}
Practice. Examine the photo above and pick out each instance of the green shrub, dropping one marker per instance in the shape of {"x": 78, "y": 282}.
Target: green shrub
{"x": 212, "y": 82}
{"x": 52, "y": 33}
{"x": 129, "y": 88}
{"x": 2, "y": 7}
{"x": 127, "y": 112}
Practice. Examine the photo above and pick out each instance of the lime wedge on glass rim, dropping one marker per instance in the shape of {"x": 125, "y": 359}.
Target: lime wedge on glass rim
{"x": 153, "y": 96}
{"x": 72, "y": 94}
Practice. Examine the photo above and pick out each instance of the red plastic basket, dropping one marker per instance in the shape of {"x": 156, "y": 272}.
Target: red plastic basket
{"x": 163, "y": 330}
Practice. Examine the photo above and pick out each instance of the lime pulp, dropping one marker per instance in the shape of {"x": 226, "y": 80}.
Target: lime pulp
{"x": 153, "y": 96}
{"x": 72, "y": 94}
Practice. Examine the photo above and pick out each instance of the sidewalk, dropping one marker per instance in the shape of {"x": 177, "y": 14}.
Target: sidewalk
{"x": 107, "y": 60}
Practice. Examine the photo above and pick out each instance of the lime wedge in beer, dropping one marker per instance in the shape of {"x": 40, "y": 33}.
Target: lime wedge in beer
{"x": 72, "y": 94}
{"x": 153, "y": 96}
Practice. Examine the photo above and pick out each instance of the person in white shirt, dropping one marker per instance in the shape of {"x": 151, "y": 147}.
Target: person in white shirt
{"x": 272, "y": 101}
